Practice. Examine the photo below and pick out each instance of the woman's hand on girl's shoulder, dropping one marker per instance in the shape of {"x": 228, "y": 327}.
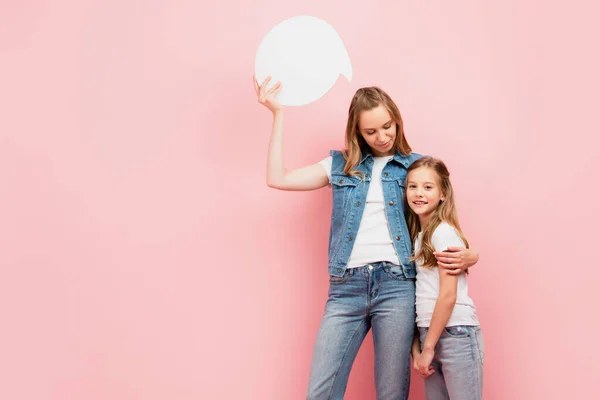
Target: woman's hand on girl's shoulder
{"x": 268, "y": 98}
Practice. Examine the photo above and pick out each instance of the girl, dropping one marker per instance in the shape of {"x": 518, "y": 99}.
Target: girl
{"x": 371, "y": 277}
{"x": 451, "y": 353}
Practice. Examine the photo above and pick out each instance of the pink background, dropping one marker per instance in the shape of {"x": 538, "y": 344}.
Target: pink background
{"x": 142, "y": 255}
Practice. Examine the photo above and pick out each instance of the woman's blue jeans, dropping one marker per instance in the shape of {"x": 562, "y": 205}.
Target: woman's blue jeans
{"x": 376, "y": 296}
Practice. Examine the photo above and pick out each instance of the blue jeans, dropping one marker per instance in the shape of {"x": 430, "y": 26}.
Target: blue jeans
{"x": 377, "y": 296}
{"x": 458, "y": 364}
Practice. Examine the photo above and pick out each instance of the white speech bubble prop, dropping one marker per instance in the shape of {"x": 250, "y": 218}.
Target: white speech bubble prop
{"x": 307, "y": 55}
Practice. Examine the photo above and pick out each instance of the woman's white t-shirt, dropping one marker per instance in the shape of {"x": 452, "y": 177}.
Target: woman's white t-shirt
{"x": 373, "y": 241}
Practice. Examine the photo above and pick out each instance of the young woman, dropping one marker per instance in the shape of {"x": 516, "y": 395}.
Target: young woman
{"x": 372, "y": 280}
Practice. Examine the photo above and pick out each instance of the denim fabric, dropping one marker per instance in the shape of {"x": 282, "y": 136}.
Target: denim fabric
{"x": 378, "y": 296}
{"x": 458, "y": 364}
{"x": 349, "y": 197}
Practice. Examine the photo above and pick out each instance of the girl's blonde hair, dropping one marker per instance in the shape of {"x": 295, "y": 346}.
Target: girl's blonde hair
{"x": 445, "y": 212}
{"x": 366, "y": 99}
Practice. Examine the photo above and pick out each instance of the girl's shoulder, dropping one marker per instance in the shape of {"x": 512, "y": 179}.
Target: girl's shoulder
{"x": 444, "y": 228}
{"x": 444, "y": 236}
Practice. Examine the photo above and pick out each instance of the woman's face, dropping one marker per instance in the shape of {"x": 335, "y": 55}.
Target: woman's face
{"x": 378, "y": 129}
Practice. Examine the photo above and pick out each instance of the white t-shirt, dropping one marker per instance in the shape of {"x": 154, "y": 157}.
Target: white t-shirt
{"x": 373, "y": 242}
{"x": 428, "y": 283}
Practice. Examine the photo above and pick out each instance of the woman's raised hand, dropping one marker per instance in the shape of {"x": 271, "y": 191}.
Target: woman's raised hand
{"x": 268, "y": 97}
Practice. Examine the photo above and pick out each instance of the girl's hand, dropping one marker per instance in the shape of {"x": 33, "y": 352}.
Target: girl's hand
{"x": 422, "y": 363}
{"x": 456, "y": 259}
{"x": 267, "y": 97}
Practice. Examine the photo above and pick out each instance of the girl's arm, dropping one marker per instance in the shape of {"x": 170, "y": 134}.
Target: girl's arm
{"x": 444, "y": 237}
{"x": 441, "y": 314}
{"x": 443, "y": 309}
{"x": 306, "y": 178}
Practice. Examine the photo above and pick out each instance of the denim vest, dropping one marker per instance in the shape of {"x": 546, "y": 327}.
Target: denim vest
{"x": 348, "y": 204}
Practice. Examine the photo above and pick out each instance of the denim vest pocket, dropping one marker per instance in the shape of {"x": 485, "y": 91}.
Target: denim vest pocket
{"x": 344, "y": 180}
{"x": 342, "y": 187}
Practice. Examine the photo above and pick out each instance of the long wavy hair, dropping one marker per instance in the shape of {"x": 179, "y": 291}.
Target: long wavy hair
{"x": 445, "y": 212}
{"x": 366, "y": 99}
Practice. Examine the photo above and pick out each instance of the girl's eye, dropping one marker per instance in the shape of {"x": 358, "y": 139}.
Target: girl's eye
{"x": 427, "y": 187}
{"x": 411, "y": 186}
{"x": 387, "y": 127}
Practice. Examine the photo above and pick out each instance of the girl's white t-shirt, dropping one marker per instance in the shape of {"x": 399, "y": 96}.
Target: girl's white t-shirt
{"x": 428, "y": 283}
{"x": 373, "y": 242}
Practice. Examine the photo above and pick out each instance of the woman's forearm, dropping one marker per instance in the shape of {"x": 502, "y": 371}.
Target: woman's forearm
{"x": 275, "y": 167}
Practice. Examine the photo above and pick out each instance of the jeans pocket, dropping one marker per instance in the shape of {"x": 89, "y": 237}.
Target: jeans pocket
{"x": 458, "y": 331}
{"x": 338, "y": 280}
{"x": 397, "y": 273}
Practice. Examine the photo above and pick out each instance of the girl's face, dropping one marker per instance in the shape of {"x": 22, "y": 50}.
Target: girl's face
{"x": 423, "y": 193}
{"x": 378, "y": 129}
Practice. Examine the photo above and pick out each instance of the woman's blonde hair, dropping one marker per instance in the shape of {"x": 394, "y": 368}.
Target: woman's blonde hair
{"x": 445, "y": 212}
{"x": 366, "y": 99}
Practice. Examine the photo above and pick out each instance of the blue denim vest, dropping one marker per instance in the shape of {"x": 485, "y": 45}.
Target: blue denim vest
{"x": 348, "y": 204}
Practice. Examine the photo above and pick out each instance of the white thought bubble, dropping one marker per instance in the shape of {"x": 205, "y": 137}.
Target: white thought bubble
{"x": 307, "y": 55}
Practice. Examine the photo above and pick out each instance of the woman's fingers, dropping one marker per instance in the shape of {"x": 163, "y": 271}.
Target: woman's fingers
{"x": 447, "y": 260}
{"x": 274, "y": 89}
{"x": 264, "y": 85}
